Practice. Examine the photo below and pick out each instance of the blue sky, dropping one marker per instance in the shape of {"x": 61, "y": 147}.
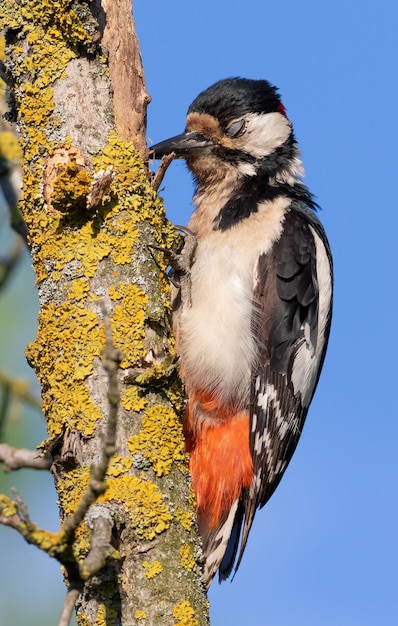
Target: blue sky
{"x": 323, "y": 552}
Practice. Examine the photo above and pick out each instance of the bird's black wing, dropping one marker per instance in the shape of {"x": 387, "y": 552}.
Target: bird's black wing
{"x": 292, "y": 303}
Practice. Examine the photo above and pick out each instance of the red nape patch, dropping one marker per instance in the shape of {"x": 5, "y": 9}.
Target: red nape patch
{"x": 281, "y": 109}
{"x": 220, "y": 463}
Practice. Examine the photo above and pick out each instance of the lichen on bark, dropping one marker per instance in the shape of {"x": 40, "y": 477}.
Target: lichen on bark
{"x": 91, "y": 215}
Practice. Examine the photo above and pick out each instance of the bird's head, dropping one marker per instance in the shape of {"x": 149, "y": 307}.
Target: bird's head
{"x": 237, "y": 125}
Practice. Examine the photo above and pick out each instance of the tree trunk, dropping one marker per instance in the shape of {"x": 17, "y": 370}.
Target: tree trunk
{"x": 80, "y": 104}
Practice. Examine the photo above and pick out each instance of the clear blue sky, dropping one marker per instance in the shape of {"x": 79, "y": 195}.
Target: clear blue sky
{"x": 323, "y": 552}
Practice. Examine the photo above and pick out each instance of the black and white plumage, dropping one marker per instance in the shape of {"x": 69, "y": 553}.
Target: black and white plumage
{"x": 253, "y": 339}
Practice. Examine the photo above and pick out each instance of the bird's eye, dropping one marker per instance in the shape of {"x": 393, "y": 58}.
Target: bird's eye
{"x": 236, "y": 129}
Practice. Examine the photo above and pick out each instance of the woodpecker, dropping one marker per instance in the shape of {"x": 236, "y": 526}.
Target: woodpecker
{"x": 252, "y": 338}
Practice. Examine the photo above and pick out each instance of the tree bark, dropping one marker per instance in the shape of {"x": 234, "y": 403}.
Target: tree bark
{"x": 80, "y": 104}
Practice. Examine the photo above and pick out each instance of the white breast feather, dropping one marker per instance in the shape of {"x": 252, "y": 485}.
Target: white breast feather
{"x": 216, "y": 345}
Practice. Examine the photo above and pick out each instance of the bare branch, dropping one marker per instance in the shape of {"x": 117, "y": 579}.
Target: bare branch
{"x": 164, "y": 164}
{"x": 69, "y": 604}
{"x": 100, "y": 519}
{"x": 23, "y": 509}
{"x": 19, "y": 458}
{"x": 15, "y": 514}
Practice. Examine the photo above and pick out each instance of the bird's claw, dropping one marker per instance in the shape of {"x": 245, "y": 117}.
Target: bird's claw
{"x": 181, "y": 263}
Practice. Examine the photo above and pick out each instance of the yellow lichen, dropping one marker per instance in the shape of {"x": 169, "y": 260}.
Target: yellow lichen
{"x": 107, "y": 610}
{"x": 160, "y": 440}
{"x": 119, "y": 465}
{"x": 101, "y": 615}
{"x": 187, "y": 560}
{"x": 140, "y": 614}
{"x": 44, "y": 21}
{"x": 184, "y": 613}
{"x": 152, "y": 569}
{"x": 69, "y": 339}
{"x": 154, "y": 373}
{"x": 131, "y": 183}
{"x": 71, "y": 188}
{"x": 45, "y": 540}
{"x": 144, "y": 503}
{"x": 127, "y": 336}
{"x": 79, "y": 289}
{"x": 8, "y": 507}
{"x": 83, "y": 620}
{"x": 133, "y": 400}
{"x": 68, "y": 248}
{"x": 52, "y": 30}
{"x": 148, "y": 512}
{"x": 184, "y": 517}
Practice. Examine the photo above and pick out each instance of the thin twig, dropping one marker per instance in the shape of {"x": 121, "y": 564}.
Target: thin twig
{"x": 100, "y": 519}
{"x": 164, "y": 164}
{"x": 69, "y": 604}
{"x": 59, "y": 545}
{"x": 18, "y": 458}
{"x": 181, "y": 264}
{"x": 23, "y": 509}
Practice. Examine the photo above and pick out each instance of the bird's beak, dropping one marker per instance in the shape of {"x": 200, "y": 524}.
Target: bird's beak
{"x": 188, "y": 144}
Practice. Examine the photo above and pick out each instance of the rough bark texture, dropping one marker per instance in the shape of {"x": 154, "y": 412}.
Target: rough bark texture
{"x": 91, "y": 213}
{"x": 130, "y": 99}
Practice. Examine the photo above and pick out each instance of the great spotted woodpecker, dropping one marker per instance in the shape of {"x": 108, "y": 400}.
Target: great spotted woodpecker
{"x": 252, "y": 338}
